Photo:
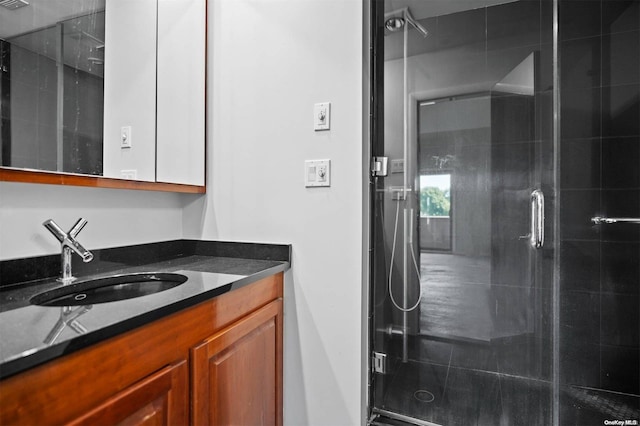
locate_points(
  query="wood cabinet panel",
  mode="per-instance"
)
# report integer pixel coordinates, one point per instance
(52, 178)
(159, 400)
(236, 374)
(69, 387)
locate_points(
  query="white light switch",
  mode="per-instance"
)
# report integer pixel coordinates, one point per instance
(317, 173)
(322, 116)
(125, 137)
(397, 166)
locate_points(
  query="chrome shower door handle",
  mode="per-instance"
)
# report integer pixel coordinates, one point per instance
(536, 237)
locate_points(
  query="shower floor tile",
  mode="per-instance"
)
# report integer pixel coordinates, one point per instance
(457, 396)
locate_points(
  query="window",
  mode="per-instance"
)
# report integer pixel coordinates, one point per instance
(435, 195)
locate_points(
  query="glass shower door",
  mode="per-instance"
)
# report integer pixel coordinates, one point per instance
(462, 259)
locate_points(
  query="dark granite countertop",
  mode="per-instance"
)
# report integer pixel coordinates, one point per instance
(27, 336)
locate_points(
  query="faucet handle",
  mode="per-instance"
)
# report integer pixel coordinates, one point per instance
(75, 230)
(53, 227)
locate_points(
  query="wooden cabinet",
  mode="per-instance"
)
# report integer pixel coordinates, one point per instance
(158, 400)
(236, 373)
(217, 363)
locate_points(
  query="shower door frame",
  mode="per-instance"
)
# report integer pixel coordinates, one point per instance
(373, 141)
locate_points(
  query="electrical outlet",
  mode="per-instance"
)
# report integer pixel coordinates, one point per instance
(129, 174)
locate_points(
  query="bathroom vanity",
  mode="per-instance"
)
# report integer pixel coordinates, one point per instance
(208, 351)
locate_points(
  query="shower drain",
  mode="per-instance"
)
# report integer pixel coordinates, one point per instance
(424, 396)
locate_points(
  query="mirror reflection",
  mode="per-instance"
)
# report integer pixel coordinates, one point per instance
(52, 85)
(104, 88)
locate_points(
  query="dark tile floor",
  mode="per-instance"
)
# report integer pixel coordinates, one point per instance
(470, 365)
(460, 301)
(448, 395)
(585, 407)
(456, 396)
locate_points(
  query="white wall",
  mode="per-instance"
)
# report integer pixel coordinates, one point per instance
(116, 217)
(271, 61)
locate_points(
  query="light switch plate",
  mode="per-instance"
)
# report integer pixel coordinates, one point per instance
(125, 137)
(322, 116)
(397, 166)
(317, 173)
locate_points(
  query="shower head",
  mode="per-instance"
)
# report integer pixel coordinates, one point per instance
(398, 19)
(394, 24)
(13, 4)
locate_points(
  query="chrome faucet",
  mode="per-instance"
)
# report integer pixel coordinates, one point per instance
(69, 244)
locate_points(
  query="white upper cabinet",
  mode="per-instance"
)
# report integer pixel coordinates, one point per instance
(180, 124)
(130, 89)
(118, 87)
(155, 90)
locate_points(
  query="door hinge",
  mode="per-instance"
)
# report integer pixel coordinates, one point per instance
(379, 166)
(379, 362)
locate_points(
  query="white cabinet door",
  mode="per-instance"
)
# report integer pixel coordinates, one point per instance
(180, 123)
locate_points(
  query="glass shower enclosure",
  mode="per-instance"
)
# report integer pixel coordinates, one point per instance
(486, 181)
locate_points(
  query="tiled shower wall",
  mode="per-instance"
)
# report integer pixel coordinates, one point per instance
(600, 175)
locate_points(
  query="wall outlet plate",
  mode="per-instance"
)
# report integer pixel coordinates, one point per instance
(317, 173)
(129, 174)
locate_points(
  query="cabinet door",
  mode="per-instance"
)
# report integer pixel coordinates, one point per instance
(181, 92)
(236, 377)
(160, 399)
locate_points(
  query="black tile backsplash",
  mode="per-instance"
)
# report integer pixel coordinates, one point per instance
(104, 260)
(280, 252)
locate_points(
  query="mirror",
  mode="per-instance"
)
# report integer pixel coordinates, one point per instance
(104, 88)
